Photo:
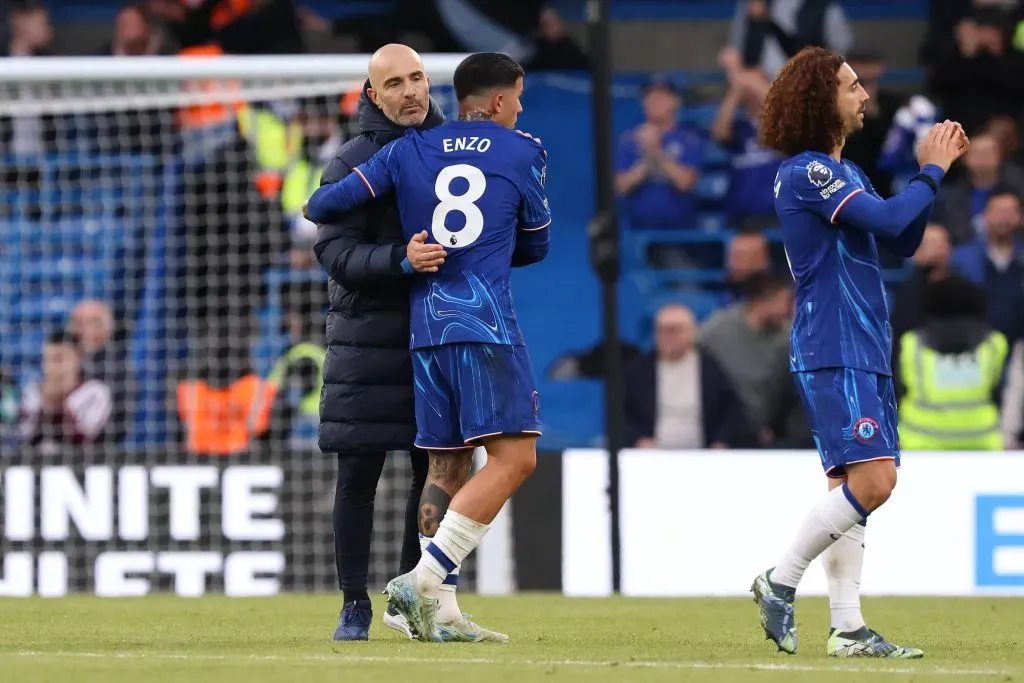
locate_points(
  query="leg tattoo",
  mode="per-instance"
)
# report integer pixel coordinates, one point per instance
(445, 476)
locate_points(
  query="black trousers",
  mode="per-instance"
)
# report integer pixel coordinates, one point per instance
(358, 474)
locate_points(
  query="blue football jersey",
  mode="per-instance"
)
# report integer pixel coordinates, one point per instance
(842, 320)
(471, 185)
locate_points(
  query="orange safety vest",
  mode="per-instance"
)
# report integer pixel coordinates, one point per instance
(227, 11)
(202, 115)
(349, 102)
(223, 421)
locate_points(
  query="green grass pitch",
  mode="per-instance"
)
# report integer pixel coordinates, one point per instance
(271, 640)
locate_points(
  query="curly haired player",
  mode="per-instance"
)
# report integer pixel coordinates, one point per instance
(833, 222)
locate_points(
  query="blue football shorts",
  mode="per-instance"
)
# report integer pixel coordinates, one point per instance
(852, 415)
(466, 391)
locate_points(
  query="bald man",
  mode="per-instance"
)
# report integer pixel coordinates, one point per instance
(367, 403)
(92, 326)
(678, 397)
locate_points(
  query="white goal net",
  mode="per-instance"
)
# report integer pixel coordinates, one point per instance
(160, 310)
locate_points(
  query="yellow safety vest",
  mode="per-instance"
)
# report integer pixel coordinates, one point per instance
(948, 404)
(299, 184)
(310, 403)
(276, 143)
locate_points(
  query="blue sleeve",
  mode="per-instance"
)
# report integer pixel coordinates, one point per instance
(626, 154)
(532, 238)
(819, 187)
(347, 248)
(910, 239)
(693, 151)
(534, 213)
(367, 181)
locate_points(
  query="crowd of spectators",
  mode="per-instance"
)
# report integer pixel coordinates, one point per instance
(973, 56)
(717, 381)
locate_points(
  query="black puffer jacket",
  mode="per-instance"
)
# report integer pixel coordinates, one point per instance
(367, 399)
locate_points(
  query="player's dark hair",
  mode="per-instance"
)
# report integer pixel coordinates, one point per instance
(483, 72)
(1002, 190)
(26, 7)
(799, 112)
(954, 296)
(748, 230)
(62, 338)
(761, 286)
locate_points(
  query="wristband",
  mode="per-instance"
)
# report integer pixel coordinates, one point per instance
(927, 180)
(407, 267)
(932, 175)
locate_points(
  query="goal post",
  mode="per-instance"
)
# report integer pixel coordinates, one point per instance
(151, 215)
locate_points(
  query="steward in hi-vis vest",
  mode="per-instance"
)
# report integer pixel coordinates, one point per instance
(951, 368)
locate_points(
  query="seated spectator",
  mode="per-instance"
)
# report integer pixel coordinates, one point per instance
(134, 33)
(30, 30)
(658, 163)
(950, 371)
(962, 205)
(995, 264)
(749, 201)
(64, 407)
(747, 336)
(1007, 132)
(103, 359)
(865, 148)
(678, 396)
(745, 257)
(931, 263)
(92, 325)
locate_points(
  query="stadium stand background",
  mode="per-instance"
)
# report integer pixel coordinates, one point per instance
(558, 300)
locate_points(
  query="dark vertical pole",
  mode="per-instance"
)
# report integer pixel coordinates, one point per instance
(604, 252)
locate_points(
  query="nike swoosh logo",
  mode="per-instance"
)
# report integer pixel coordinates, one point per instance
(835, 537)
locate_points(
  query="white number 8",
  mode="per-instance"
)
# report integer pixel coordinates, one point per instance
(463, 203)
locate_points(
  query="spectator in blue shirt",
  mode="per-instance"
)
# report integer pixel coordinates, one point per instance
(749, 201)
(996, 262)
(658, 163)
(961, 206)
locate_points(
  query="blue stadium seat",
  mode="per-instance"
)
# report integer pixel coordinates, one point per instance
(712, 186)
(572, 413)
(636, 245)
(711, 221)
(699, 116)
(715, 157)
(722, 10)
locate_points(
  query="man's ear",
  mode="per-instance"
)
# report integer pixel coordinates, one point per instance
(372, 94)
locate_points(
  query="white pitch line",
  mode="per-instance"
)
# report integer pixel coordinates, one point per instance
(577, 663)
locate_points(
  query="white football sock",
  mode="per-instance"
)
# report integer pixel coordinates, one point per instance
(448, 604)
(833, 516)
(843, 562)
(456, 538)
